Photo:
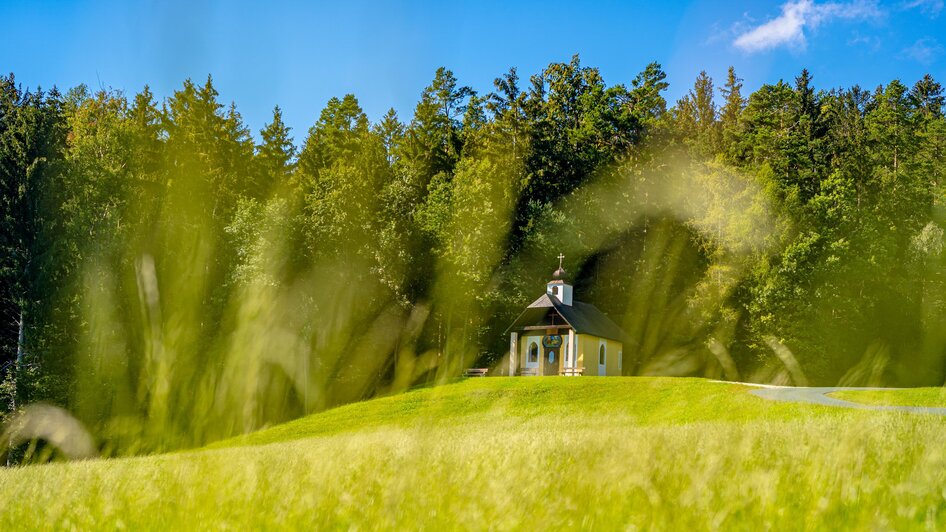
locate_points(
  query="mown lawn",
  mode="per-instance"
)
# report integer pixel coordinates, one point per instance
(522, 453)
(935, 397)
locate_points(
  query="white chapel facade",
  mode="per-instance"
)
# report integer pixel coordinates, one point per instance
(557, 335)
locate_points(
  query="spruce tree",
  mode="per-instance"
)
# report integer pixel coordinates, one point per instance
(732, 110)
(274, 156)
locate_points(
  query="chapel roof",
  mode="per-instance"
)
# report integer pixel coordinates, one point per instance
(584, 318)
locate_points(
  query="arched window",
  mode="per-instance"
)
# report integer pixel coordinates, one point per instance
(533, 353)
(601, 355)
(554, 290)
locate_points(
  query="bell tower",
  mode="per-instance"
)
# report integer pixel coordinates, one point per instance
(558, 287)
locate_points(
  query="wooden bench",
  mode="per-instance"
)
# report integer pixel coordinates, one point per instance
(573, 372)
(476, 372)
(527, 372)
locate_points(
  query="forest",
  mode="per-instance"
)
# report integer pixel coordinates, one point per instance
(171, 279)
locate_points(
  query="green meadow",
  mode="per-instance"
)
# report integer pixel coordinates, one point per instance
(502, 453)
(245, 300)
(933, 397)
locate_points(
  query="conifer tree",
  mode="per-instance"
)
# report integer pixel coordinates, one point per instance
(928, 98)
(731, 111)
(507, 106)
(32, 139)
(145, 128)
(646, 101)
(342, 168)
(433, 139)
(391, 131)
(805, 137)
(274, 156)
(696, 113)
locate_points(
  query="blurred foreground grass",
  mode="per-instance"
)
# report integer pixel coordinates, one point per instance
(522, 453)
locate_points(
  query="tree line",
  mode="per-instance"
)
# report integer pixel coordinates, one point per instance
(171, 280)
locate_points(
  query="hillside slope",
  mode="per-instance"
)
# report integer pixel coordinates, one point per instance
(521, 453)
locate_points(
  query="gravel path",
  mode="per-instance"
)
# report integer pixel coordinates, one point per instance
(818, 396)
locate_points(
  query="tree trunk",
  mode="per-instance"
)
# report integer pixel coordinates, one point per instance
(20, 354)
(20, 341)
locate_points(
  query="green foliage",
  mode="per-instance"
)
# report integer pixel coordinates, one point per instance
(695, 116)
(731, 113)
(646, 99)
(171, 280)
(275, 156)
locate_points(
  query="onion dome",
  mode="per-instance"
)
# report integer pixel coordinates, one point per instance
(559, 274)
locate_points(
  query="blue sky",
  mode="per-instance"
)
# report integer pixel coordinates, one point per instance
(299, 54)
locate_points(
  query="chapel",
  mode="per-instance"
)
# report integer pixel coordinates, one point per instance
(557, 335)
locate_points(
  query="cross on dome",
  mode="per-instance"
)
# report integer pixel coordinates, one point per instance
(559, 274)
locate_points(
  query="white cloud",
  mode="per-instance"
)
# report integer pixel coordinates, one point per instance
(788, 29)
(925, 50)
(930, 8)
(871, 42)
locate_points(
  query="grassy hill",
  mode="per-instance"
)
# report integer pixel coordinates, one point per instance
(522, 453)
(935, 397)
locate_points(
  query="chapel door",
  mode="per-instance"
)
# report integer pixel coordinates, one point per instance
(550, 360)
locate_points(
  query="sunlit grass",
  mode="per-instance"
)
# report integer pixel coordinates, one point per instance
(935, 397)
(530, 453)
(631, 401)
